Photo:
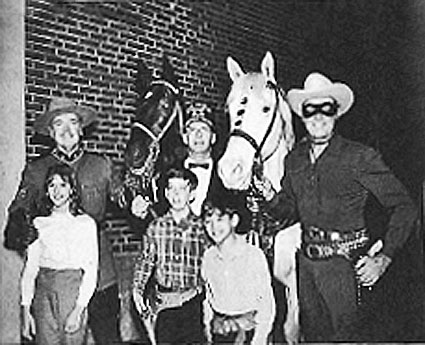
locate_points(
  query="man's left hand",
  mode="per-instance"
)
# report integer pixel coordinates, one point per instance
(370, 268)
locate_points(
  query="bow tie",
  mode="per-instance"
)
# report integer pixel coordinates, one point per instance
(198, 165)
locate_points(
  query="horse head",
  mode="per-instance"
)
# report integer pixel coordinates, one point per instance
(157, 123)
(260, 126)
(155, 141)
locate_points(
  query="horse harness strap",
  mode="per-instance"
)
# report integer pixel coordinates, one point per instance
(240, 133)
(176, 111)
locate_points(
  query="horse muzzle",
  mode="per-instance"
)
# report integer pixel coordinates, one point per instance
(235, 174)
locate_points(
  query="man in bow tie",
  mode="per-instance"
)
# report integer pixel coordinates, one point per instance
(199, 136)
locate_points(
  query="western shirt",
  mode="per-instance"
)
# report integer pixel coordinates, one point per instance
(331, 193)
(174, 250)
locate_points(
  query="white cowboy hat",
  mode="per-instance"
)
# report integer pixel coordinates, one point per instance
(62, 105)
(317, 85)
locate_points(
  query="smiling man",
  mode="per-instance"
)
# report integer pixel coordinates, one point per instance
(199, 136)
(328, 180)
(64, 121)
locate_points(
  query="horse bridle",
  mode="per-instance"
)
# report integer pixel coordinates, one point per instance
(146, 171)
(258, 159)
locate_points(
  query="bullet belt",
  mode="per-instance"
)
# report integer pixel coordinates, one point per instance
(319, 244)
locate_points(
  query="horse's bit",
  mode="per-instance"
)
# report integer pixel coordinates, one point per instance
(257, 222)
(146, 171)
(258, 159)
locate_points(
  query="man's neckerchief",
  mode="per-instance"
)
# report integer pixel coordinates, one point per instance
(68, 159)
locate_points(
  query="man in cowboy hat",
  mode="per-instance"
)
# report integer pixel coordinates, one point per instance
(328, 179)
(64, 121)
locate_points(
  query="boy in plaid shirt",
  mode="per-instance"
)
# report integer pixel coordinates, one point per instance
(173, 248)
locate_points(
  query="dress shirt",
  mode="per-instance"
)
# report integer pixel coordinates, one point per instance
(331, 193)
(237, 284)
(174, 250)
(204, 178)
(64, 242)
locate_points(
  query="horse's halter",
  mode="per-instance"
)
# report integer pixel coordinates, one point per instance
(146, 171)
(258, 159)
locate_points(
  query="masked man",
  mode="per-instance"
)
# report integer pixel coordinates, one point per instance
(328, 179)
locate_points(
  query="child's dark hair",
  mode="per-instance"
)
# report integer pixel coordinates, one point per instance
(67, 174)
(180, 172)
(209, 208)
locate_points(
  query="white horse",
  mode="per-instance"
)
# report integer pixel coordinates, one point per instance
(261, 128)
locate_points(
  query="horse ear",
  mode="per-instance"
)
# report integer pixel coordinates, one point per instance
(143, 78)
(267, 67)
(168, 72)
(235, 71)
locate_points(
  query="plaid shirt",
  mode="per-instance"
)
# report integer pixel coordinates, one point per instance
(174, 250)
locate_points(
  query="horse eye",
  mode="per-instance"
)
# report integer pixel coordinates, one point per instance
(266, 109)
(270, 84)
(238, 123)
(244, 100)
(148, 94)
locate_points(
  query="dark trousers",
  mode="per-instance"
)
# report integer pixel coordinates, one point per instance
(327, 294)
(104, 308)
(55, 296)
(181, 325)
(230, 338)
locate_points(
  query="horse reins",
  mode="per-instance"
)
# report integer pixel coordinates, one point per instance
(154, 146)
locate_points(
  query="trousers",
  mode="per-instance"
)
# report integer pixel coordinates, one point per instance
(104, 309)
(181, 325)
(56, 292)
(327, 295)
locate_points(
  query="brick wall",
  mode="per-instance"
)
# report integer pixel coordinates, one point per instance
(88, 51)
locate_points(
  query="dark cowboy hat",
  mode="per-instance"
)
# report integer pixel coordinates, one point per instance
(62, 105)
(317, 85)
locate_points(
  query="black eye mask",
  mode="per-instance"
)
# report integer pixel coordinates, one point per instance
(326, 108)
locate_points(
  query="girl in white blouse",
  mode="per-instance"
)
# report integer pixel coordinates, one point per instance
(60, 272)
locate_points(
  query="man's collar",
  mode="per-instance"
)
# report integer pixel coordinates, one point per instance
(68, 158)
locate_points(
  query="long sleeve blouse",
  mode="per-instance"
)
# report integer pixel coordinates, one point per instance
(64, 242)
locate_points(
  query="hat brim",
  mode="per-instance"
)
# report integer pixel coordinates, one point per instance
(204, 120)
(86, 115)
(340, 92)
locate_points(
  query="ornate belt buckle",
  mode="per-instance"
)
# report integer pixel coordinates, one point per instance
(313, 251)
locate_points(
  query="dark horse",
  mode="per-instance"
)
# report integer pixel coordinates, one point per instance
(155, 141)
(154, 145)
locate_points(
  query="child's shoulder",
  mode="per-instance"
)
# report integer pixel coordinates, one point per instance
(41, 222)
(85, 219)
(251, 251)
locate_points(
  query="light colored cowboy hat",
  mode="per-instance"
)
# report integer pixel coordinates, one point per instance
(317, 85)
(199, 112)
(62, 105)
